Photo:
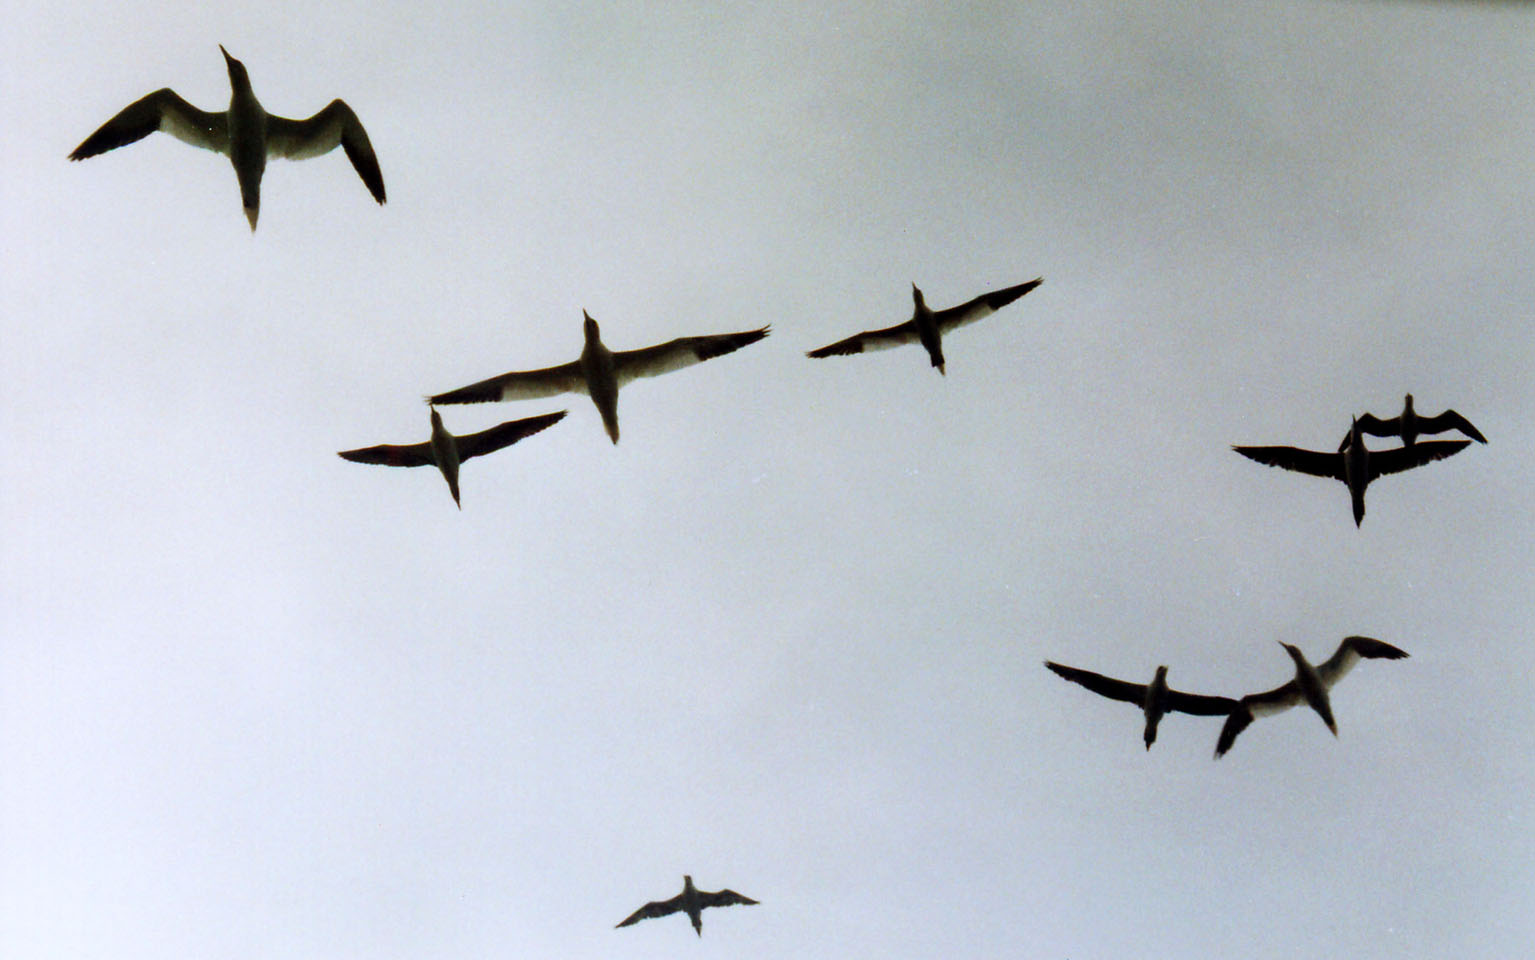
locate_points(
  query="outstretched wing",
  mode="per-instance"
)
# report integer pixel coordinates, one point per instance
(1103, 686)
(1199, 704)
(983, 306)
(1236, 722)
(682, 352)
(1450, 420)
(391, 455)
(519, 385)
(161, 110)
(321, 133)
(901, 333)
(504, 435)
(1257, 705)
(1314, 462)
(1405, 458)
(1350, 652)
(1375, 427)
(722, 898)
(655, 908)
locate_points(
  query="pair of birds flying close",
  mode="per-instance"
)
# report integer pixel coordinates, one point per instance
(600, 372)
(1311, 686)
(1356, 465)
(245, 133)
(691, 901)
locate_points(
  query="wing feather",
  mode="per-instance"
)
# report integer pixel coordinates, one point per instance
(983, 306)
(161, 110)
(392, 455)
(1103, 686)
(1350, 652)
(504, 435)
(898, 335)
(655, 908)
(1450, 420)
(1314, 462)
(723, 898)
(682, 352)
(336, 125)
(519, 385)
(1405, 458)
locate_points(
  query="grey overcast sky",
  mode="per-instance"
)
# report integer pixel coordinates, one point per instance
(258, 702)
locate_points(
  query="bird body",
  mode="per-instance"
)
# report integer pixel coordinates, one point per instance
(926, 326)
(600, 372)
(245, 133)
(691, 901)
(1311, 686)
(446, 451)
(1155, 699)
(1355, 465)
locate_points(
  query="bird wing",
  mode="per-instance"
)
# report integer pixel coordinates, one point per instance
(901, 333)
(1257, 705)
(722, 898)
(519, 385)
(161, 110)
(1375, 427)
(1103, 686)
(391, 455)
(504, 435)
(336, 124)
(1236, 722)
(1199, 704)
(1450, 420)
(1314, 462)
(675, 354)
(655, 908)
(983, 306)
(1350, 652)
(1405, 458)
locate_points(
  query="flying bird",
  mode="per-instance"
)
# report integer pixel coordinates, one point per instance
(446, 452)
(599, 372)
(245, 133)
(1310, 686)
(1154, 699)
(691, 901)
(926, 326)
(1355, 465)
(1409, 423)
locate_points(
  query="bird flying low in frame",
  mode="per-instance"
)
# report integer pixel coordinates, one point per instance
(446, 451)
(1355, 465)
(245, 133)
(927, 326)
(1155, 699)
(1310, 686)
(600, 372)
(691, 901)
(1409, 423)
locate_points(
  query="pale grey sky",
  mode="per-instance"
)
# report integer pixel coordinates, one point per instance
(256, 701)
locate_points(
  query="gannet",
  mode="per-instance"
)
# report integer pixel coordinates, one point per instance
(1310, 686)
(1154, 699)
(599, 372)
(1355, 465)
(245, 133)
(1408, 424)
(925, 326)
(691, 900)
(446, 452)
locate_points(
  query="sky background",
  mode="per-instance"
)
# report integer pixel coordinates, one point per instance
(257, 701)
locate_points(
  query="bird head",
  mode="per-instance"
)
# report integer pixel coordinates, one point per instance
(589, 326)
(916, 294)
(237, 74)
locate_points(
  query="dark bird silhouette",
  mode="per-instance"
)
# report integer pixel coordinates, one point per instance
(1409, 423)
(446, 451)
(691, 901)
(599, 372)
(1310, 686)
(1355, 466)
(245, 133)
(926, 326)
(1154, 699)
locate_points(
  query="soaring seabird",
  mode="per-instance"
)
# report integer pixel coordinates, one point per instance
(1354, 465)
(1310, 686)
(691, 900)
(245, 133)
(599, 372)
(1409, 423)
(925, 326)
(1154, 699)
(446, 452)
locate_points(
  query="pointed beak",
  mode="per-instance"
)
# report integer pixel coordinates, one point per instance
(227, 58)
